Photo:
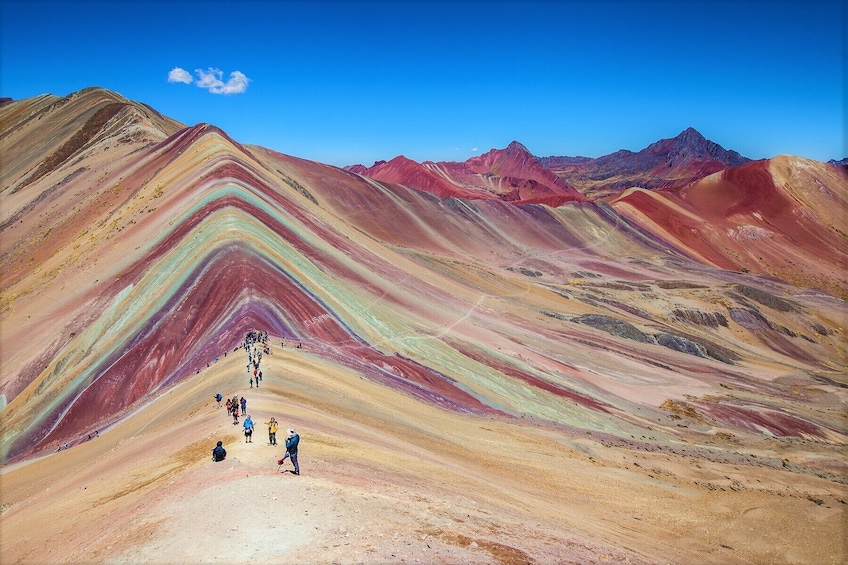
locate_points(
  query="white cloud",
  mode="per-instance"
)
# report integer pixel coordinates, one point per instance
(237, 83)
(179, 75)
(212, 80)
(474, 150)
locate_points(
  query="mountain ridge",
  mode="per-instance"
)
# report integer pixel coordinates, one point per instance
(667, 163)
(512, 174)
(643, 350)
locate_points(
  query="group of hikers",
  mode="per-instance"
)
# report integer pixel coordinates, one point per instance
(233, 405)
(68, 444)
(255, 344)
(252, 342)
(292, 441)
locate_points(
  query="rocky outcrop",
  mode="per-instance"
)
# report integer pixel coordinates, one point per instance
(613, 326)
(688, 344)
(709, 319)
(766, 298)
(680, 344)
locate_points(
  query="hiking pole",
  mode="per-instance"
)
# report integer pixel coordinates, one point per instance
(282, 461)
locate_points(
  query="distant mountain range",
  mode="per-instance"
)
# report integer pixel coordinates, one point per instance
(667, 163)
(515, 175)
(512, 174)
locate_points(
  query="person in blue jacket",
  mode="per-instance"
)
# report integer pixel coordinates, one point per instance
(218, 452)
(248, 430)
(291, 450)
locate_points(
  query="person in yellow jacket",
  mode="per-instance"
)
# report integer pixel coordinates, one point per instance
(272, 431)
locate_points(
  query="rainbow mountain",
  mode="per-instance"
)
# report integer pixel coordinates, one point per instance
(137, 251)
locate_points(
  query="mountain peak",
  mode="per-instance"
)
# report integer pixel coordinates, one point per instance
(516, 146)
(690, 146)
(667, 163)
(690, 134)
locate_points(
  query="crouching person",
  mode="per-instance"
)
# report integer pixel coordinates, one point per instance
(218, 452)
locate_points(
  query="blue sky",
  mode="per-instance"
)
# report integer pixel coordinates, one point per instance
(354, 82)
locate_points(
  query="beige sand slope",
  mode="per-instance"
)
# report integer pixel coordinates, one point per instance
(386, 479)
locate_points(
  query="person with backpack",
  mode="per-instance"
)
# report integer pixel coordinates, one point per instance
(218, 397)
(248, 429)
(291, 450)
(243, 405)
(218, 452)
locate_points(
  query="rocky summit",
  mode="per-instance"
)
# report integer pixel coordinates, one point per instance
(638, 358)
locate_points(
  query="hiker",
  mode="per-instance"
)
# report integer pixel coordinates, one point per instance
(272, 431)
(229, 406)
(235, 415)
(243, 405)
(218, 397)
(218, 452)
(291, 450)
(251, 382)
(248, 430)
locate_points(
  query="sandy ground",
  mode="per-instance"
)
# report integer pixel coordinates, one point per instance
(386, 479)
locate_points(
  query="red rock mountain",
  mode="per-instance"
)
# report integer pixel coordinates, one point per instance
(776, 217)
(512, 175)
(667, 163)
(515, 175)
